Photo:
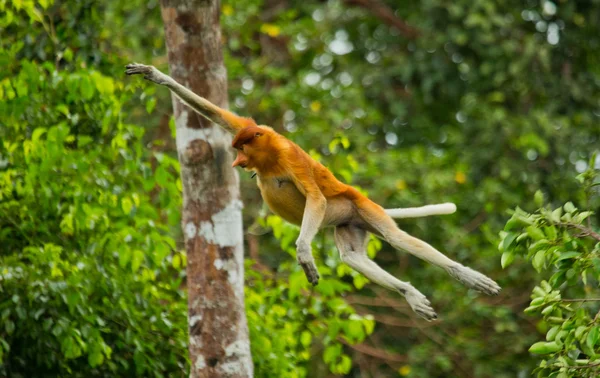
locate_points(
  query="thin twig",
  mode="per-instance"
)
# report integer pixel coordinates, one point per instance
(580, 300)
(374, 302)
(475, 222)
(585, 231)
(585, 366)
(398, 322)
(374, 352)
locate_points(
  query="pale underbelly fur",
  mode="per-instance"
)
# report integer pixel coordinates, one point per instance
(285, 200)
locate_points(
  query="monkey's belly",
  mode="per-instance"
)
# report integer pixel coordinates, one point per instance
(283, 198)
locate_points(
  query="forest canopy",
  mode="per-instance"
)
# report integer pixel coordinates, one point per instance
(491, 105)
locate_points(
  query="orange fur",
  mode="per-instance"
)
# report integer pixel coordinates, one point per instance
(272, 155)
(237, 122)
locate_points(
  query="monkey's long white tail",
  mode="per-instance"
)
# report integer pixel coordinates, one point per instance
(423, 211)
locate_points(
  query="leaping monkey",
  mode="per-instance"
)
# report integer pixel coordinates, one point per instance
(304, 192)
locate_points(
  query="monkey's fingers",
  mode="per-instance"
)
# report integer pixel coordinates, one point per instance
(311, 272)
(150, 73)
(136, 69)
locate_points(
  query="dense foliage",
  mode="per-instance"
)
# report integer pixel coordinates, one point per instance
(487, 103)
(563, 242)
(88, 221)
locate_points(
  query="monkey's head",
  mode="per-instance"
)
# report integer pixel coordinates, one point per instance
(253, 147)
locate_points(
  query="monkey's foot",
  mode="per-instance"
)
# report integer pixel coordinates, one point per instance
(150, 72)
(420, 304)
(474, 279)
(311, 272)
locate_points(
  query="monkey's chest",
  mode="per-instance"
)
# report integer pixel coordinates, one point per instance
(283, 198)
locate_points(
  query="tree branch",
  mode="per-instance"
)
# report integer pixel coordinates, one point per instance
(385, 14)
(584, 230)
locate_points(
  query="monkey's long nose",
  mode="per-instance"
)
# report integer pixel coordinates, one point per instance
(239, 160)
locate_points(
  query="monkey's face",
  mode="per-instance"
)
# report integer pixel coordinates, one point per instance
(242, 159)
(249, 144)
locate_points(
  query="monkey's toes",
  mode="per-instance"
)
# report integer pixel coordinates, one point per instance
(311, 272)
(420, 305)
(474, 280)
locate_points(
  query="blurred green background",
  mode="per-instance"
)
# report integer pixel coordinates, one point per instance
(478, 102)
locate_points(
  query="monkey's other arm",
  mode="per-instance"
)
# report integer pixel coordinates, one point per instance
(229, 121)
(314, 213)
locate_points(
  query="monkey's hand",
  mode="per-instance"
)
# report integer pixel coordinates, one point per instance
(420, 304)
(307, 262)
(150, 73)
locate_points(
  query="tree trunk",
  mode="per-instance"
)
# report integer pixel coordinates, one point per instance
(211, 217)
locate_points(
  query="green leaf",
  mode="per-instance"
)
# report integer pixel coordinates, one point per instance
(9, 326)
(538, 198)
(126, 205)
(305, 338)
(95, 358)
(124, 257)
(582, 216)
(568, 255)
(83, 140)
(538, 260)
(592, 337)
(579, 332)
(176, 261)
(87, 89)
(517, 221)
(161, 176)
(150, 104)
(369, 324)
(136, 260)
(552, 333)
(535, 233)
(543, 347)
(37, 134)
(550, 232)
(508, 240)
(556, 214)
(343, 367)
(507, 258)
(332, 352)
(538, 301)
(569, 207)
(354, 330)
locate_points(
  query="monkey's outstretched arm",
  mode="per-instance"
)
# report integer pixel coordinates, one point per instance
(224, 118)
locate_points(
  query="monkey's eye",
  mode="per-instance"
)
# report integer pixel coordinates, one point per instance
(257, 135)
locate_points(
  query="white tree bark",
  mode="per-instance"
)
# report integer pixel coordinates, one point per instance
(211, 216)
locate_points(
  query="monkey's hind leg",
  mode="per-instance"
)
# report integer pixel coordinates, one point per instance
(351, 242)
(385, 226)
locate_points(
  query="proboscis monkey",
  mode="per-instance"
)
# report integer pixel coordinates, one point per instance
(303, 192)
